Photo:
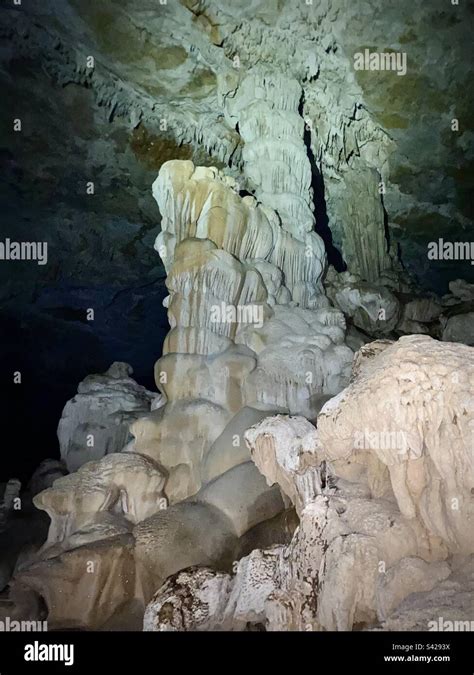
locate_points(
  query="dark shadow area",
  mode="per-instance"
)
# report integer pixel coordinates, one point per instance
(319, 203)
(100, 254)
(52, 356)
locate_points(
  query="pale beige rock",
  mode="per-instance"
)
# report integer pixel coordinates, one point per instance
(202, 599)
(96, 421)
(361, 546)
(219, 378)
(108, 574)
(125, 484)
(367, 352)
(371, 538)
(413, 406)
(301, 358)
(201, 204)
(191, 600)
(178, 437)
(230, 449)
(346, 536)
(447, 607)
(277, 587)
(373, 309)
(242, 495)
(338, 549)
(410, 575)
(285, 450)
(211, 290)
(216, 363)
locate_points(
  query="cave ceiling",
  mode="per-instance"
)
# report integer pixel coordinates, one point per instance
(160, 77)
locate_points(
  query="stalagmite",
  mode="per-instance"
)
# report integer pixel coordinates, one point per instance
(306, 463)
(95, 422)
(198, 202)
(238, 285)
(384, 527)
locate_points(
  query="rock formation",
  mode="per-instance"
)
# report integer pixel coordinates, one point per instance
(187, 478)
(372, 306)
(307, 463)
(177, 483)
(232, 323)
(384, 500)
(95, 422)
(265, 106)
(239, 285)
(123, 485)
(196, 202)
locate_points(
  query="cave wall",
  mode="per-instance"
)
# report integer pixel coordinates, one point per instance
(162, 84)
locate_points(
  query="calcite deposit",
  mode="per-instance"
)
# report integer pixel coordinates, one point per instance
(232, 326)
(95, 422)
(195, 203)
(384, 501)
(179, 470)
(306, 461)
(373, 449)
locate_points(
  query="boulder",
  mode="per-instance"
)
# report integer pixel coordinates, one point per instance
(96, 421)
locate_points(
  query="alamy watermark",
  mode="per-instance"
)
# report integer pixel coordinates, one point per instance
(449, 626)
(226, 313)
(381, 440)
(367, 60)
(9, 625)
(24, 250)
(451, 250)
(38, 651)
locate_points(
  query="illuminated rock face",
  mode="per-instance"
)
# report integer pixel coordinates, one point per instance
(384, 499)
(95, 422)
(251, 333)
(201, 202)
(126, 485)
(240, 337)
(241, 80)
(269, 91)
(265, 106)
(426, 438)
